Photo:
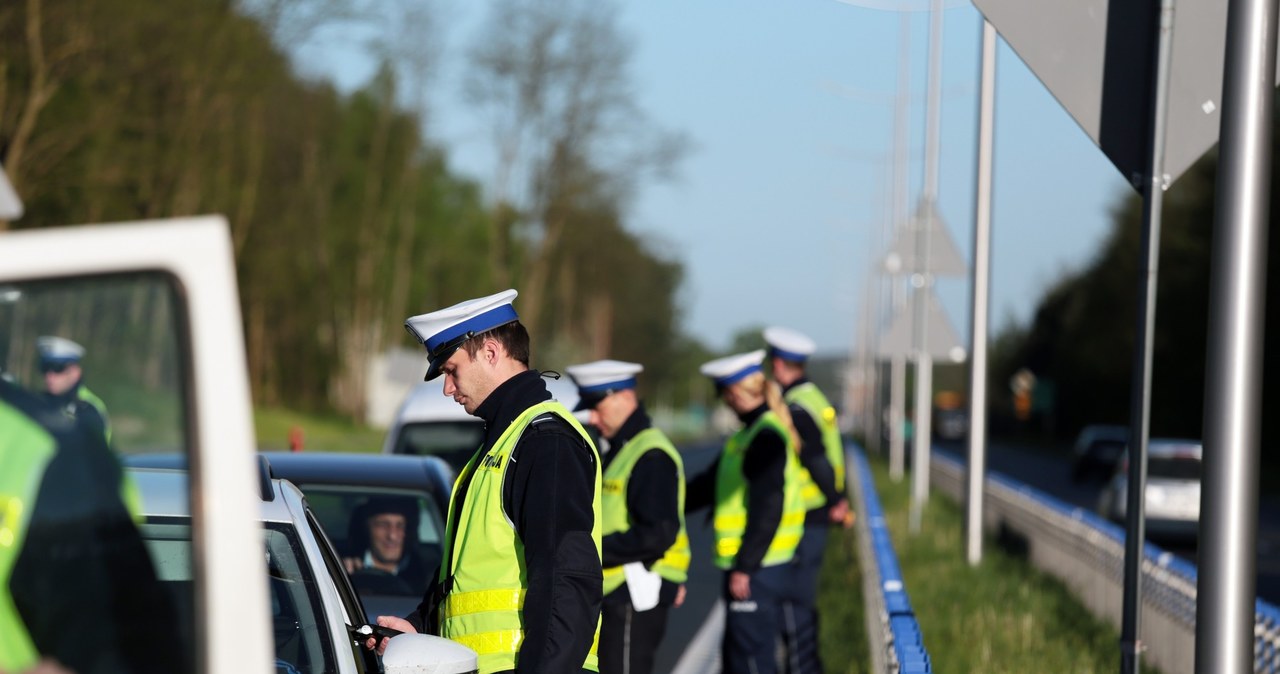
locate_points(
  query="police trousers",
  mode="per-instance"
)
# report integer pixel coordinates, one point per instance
(629, 639)
(753, 626)
(800, 608)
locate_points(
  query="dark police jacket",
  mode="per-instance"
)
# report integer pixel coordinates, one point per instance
(547, 493)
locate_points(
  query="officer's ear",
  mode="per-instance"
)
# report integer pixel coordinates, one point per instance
(491, 350)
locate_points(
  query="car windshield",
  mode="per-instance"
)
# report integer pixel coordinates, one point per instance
(300, 633)
(453, 441)
(389, 539)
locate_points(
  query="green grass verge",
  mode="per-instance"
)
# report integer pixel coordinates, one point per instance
(1001, 616)
(842, 637)
(319, 433)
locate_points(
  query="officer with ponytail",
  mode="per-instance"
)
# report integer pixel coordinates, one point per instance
(754, 487)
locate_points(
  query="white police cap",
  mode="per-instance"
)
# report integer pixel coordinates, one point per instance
(597, 379)
(732, 369)
(443, 331)
(789, 344)
(59, 350)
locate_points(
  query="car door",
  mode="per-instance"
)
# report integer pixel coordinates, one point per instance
(155, 307)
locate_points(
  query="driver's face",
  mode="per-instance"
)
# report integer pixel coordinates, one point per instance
(386, 537)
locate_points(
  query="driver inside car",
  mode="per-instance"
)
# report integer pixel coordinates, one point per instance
(383, 536)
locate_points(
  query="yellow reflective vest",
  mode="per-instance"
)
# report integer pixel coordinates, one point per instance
(809, 397)
(25, 451)
(674, 565)
(731, 498)
(484, 608)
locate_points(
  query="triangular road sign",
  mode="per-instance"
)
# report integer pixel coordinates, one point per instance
(944, 257)
(944, 344)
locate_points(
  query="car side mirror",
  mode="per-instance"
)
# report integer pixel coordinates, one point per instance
(416, 653)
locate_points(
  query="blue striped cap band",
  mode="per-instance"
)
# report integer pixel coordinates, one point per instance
(609, 386)
(788, 355)
(475, 325)
(737, 376)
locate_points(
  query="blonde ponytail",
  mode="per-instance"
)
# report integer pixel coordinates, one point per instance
(756, 385)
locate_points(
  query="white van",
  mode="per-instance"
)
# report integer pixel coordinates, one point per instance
(429, 422)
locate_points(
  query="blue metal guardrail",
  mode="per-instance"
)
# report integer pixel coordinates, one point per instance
(1170, 596)
(907, 642)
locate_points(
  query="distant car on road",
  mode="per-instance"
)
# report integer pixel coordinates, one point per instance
(429, 423)
(1172, 504)
(1097, 450)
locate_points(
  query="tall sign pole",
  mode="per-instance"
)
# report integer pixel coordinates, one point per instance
(1229, 503)
(1154, 182)
(976, 466)
(922, 279)
(898, 361)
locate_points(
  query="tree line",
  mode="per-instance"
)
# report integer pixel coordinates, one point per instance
(346, 217)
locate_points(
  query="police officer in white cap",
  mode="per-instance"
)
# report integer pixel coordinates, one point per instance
(822, 489)
(519, 580)
(64, 383)
(759, 516)
(645, 548)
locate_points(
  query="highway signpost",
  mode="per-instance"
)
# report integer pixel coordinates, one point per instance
(1153, 99)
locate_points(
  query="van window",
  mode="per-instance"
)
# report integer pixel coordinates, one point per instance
(453, 441)
(91, 369)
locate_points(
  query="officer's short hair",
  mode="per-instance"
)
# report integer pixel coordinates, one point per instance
(513, 337)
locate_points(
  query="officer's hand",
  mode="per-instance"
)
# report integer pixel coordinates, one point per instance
(394, 623)
(840, 513)
(680, 593)
(353, 564)
(49, 666)
(739, 585)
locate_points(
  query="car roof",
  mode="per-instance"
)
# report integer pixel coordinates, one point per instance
(379, 470)
(165, 493)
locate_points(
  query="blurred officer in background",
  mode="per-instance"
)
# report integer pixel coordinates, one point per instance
(64, 383)
(822, 489)
(759, 516)
(77, 586)
(520, 579)
(645, 548)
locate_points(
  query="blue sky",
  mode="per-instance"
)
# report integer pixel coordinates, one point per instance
(778, 205)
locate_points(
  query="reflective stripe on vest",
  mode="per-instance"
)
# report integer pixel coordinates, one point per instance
(809, 397)
(484, 607)
(731, 498)
(674, 564)
(25, 451)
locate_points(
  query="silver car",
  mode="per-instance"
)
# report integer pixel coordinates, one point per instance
(1172, 504)
(318, 623)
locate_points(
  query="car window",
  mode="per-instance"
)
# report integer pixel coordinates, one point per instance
(453, 441)
(299, 631)
(354, 614)
(92, 369)
(302, 639)
(350, 515)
